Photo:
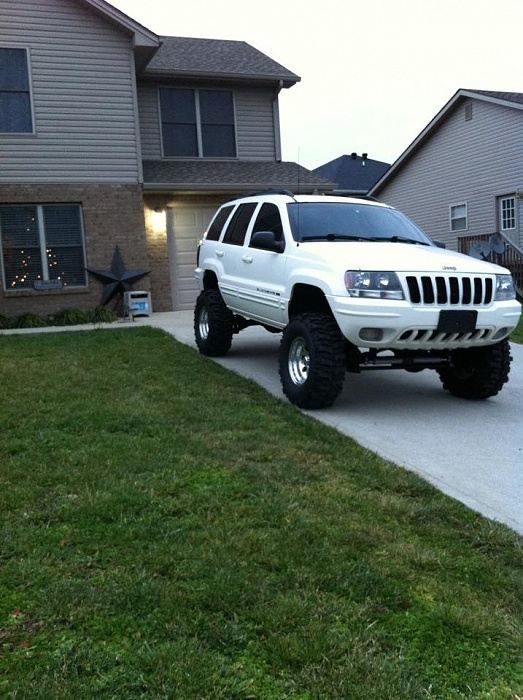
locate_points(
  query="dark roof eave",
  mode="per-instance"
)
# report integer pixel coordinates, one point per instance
(142, 36)
(285, 80)
(203, 187)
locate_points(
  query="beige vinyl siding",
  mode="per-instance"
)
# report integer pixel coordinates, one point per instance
(255, 132)
(469, 162)
(82, 74)
(149, 121)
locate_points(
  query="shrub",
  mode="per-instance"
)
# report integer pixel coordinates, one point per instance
(29, 321)
(69, 317)
(103, 315)
(4, 322)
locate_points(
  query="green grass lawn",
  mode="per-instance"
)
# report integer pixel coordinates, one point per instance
(517, 335)
(170, 530)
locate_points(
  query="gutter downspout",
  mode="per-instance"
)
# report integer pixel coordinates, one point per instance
(276, 120)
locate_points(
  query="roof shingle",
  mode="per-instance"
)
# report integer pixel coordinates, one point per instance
(507, 96)
(216, 57)
(240, 176)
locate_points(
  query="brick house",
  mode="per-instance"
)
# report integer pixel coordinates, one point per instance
(113, 136)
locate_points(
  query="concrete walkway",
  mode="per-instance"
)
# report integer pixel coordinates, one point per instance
(472, 451)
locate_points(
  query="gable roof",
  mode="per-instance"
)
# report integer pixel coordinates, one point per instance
(506, 99)
(353, 174)
(215, 58)
(145, 42)
(227, 176)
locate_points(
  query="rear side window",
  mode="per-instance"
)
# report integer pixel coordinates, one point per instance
(217, 224)
(237, 228)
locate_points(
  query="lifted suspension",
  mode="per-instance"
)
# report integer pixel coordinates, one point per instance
(358, 361)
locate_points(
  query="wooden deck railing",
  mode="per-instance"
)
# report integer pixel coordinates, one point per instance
(510, 255)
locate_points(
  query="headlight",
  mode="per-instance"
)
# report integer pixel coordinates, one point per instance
(373, 285)
(505, 289)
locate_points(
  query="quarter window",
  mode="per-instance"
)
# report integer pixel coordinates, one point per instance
(15, 95)
(42, 244)
(217, 224)
(458, 217)
(507, 213)
(197, 123)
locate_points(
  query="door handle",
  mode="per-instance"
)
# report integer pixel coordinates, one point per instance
(247, 258)
(219, 253)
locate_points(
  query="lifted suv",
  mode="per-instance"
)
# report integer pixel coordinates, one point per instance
(353, 285)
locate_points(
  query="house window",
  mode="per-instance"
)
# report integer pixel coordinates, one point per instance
(458, 217)
(42, 245)
(197, 123)
(507, 213)
(15, 95)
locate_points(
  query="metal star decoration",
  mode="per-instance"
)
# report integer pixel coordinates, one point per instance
(117, 280)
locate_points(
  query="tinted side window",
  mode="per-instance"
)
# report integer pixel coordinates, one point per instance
(237, 228)
(269, 219)
(215, 229)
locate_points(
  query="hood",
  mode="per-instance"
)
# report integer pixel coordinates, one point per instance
(403, 257)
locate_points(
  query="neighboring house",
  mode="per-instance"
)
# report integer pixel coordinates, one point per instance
(113, 136)
(461, 179)
(354, 175)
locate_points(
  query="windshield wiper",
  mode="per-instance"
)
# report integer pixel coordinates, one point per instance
(403, 239)
(333, 237)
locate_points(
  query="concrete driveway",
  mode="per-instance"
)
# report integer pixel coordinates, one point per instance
(472, 451)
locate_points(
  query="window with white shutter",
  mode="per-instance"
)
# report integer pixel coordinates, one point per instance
(507, 213)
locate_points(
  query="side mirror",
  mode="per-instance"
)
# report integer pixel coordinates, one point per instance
(266, 240)
(439, 244)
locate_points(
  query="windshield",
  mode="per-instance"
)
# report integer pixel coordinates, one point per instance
(324, 221)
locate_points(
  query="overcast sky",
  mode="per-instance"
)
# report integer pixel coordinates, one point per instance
(373, 72)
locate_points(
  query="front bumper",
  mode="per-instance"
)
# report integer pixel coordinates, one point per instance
(392, 324)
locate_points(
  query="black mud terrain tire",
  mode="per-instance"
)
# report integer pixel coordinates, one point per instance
(213, 324)
(477, 373)
(312, 361)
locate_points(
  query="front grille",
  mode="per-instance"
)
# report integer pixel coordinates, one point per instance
(446, 290)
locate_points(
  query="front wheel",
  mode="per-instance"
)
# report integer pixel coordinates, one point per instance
(213, 324)
(477, 373)
(312, 361)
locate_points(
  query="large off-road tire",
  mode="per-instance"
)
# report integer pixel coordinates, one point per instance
(213, 324)
(477, 373)
(312, 361)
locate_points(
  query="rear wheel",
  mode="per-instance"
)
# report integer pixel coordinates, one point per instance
(312, 361)
(477, 373)
(213, 324)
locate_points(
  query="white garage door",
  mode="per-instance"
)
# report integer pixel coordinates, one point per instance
(185, 228)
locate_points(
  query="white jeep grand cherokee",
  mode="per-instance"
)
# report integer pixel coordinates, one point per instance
(354, 285)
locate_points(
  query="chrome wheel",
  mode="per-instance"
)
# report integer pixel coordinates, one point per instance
(312, 360)
(213, 324)
(299, 361)
(203, 323)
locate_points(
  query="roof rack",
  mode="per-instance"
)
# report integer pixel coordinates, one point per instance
(368, 197)
(268, 191)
